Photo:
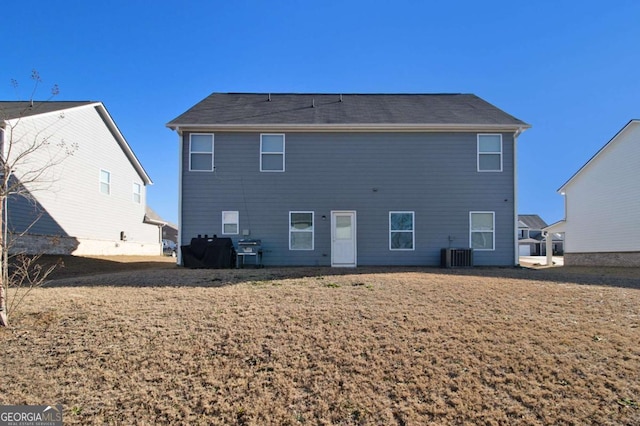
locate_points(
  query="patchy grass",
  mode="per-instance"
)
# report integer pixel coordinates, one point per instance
(293, 346)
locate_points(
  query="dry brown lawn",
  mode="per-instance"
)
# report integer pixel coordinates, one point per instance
(316, 346)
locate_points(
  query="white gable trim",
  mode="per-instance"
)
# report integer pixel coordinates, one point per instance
(597, 155)
(556, 228)
(102, 110)
(111, 125)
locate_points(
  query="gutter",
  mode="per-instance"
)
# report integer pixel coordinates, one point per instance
(355, 127)
(153, 221)
(556, 227)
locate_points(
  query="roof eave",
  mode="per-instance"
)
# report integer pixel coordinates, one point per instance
(556, 227)
(151, 221)
(137, 165)
(355, 127)
(14, 120)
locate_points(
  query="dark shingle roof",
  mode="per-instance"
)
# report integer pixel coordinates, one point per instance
(150, 216)
(16, 109)
(532, 221)
(347, 109)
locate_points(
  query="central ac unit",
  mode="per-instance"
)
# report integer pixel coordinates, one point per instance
(456, 258)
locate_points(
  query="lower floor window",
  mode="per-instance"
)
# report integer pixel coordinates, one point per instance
(300, 230)
(482, 230)
(401, 230)
(230, 222)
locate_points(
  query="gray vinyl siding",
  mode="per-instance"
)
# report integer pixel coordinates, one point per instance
(432, 174)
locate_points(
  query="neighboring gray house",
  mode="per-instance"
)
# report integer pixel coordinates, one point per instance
(170, 232)
(89, 192)
(353, 179)
(532, 239)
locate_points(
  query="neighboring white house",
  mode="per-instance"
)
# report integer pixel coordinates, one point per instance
(92, 198)
(602, 205)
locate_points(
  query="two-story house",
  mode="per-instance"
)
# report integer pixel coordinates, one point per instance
(602, 205)
(83, 190)
(351, 179)
(532, 238)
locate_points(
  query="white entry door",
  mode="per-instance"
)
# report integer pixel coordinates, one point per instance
(343, 238)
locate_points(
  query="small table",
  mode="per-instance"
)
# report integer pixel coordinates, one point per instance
(256, 254)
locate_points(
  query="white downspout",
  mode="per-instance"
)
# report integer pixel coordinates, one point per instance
(180, 159)
(516, 249)
(160, 239)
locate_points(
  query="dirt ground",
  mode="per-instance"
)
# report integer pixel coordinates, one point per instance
(74, 266)
(159, 344)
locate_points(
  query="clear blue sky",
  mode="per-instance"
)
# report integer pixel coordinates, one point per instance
(569, 68)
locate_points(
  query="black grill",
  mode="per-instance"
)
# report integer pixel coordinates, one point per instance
(206, 252)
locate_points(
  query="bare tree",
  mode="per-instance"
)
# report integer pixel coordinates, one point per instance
(27, 162)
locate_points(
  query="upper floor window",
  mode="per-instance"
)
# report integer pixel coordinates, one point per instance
(105, 182)
(137, 193)
(490, 153)
(482, 230)
(300, 230)
(230, 222)
(401, 230)
(201, 152)
(271, 153)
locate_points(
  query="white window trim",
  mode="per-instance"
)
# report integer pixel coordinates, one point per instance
(237, 223)
(478, 153)
(493, 231)
(273, 152)
(100, 182)
(138, 186)
(413, 230)
(213, 144)
(312, 231)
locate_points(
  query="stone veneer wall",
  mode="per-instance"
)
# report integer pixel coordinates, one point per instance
(627, 259)
(46, 244)
(42, 244)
